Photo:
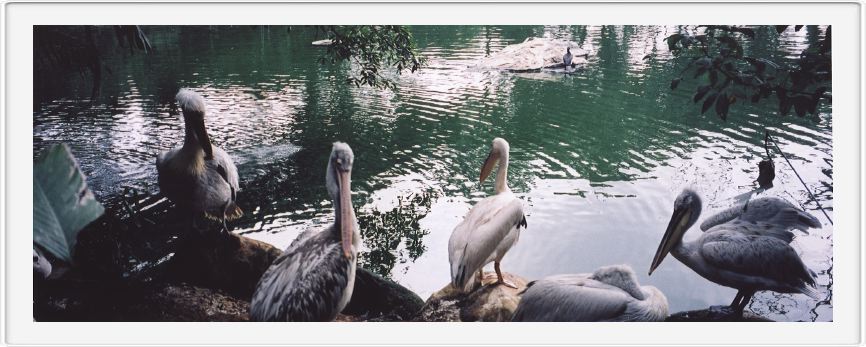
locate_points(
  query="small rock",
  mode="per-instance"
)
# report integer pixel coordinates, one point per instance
(489, 303)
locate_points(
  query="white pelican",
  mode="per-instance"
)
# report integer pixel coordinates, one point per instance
(491, 227)
(199, 177)
(747, 249)
(567, 58)
(611, 293)
(313, 279)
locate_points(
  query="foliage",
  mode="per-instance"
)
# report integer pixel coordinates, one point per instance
(62, 203)
(729, 75)
(76, 49)
(373, 48)
(383, 232)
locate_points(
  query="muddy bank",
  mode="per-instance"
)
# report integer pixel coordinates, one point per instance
(211, 278)
(206, 279)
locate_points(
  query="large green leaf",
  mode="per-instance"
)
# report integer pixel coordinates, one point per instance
(62, 203)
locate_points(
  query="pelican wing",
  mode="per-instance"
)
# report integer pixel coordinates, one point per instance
(768, 261)
(224, 164)
(218, 187)
(571, 298)
(768, 216)
(476, 238)
(305, 283)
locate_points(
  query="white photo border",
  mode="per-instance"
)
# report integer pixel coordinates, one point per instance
(16, 173)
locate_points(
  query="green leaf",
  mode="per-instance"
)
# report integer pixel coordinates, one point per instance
(702, 90)
(748, 32)
(709, 101)
(672, 41)
(732, 44)
(722, 103)
(62, 203)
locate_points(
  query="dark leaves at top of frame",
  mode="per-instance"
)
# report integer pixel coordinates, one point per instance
(673, 40)
(732, 45)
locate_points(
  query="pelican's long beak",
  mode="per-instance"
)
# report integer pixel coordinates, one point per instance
(203, 139)
(347, 223)
(489, 163)
(673, 235)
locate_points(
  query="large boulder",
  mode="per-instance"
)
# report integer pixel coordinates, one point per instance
(491, 302)
(229, 262)
(209, 278)
(378, 299)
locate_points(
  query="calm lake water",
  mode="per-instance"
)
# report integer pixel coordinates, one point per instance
(597, 157)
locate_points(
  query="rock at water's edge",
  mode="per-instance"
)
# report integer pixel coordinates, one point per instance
(715, 314)
(232, 263)
(533, 54)
(377, 298)
(489, 303)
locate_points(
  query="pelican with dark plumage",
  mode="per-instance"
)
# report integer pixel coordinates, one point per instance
(567, 58)
(744, 247)
(490, 229)
(610, 294)
(199, 177)
(314, 278)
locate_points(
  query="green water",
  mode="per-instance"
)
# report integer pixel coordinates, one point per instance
(597, 157)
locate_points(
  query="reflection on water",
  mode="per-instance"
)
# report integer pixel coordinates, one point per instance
(597, 157)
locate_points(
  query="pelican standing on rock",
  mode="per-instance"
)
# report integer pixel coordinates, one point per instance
(745, 247)
(314, 278)
(199, 177)
(490, 229)
(566, 59)
(611, 293)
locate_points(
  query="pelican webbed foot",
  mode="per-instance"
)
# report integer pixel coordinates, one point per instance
(500, 279)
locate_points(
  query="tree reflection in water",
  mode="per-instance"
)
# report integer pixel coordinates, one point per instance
(396, 234)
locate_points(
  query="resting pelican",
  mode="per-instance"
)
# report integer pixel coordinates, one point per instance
(747, 249)
(313, 279)
(490, 229)
(566, 59)
(611, 293)
(198, 176)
